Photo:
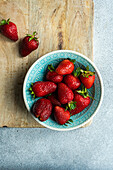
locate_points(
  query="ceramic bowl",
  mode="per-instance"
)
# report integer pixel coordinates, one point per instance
(38, 71)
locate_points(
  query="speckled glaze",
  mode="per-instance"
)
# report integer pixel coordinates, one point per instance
(38, 71)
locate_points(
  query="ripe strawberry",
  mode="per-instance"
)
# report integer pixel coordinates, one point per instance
(54, 100)
(42, 109)
(87, 78)
(29, 44)
(9, 29)
(41, 88)
(65, 67)
(65, 94)
(82, 101)
(53, 76)
(61, 116)
(72, 81)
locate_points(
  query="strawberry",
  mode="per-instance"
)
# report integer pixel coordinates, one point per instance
(65, 94)
(42, 88)
(61, 116)
(72, 81)
(42, 109)
(54, 100)
(53, 76)
(82, 100)
(29, 44)
(87, 78)
(65, 67)
(9, 29)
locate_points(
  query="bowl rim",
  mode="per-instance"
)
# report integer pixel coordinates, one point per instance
(101, 84)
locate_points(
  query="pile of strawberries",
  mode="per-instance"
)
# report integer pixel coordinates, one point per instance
(28, 44)
(60, 93)
(61, 96)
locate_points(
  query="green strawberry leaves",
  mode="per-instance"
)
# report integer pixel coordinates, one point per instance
(72, 60)
(71, 106)
(84, 92)
(86, 73)
(3, 22)
(31, 91)
(68, 122)
(51, 68)
(33, 36)
(77, 72)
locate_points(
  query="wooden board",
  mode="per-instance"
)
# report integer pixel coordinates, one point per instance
(61, 24)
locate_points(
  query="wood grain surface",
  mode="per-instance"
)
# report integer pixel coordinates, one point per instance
(61, 24)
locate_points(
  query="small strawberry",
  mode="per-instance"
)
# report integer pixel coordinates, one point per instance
(54, 100)
(42, 88)
(82, 100)
(61, 116)
(53, 76)
(87, 78)
(29, 44)
(65, 94)
(42, 109)
(65, 67)
(9, 29)
(72, 81)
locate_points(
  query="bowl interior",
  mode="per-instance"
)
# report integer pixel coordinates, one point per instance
(38, 71)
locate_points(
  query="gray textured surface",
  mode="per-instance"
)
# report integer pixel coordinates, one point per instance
(88, 148)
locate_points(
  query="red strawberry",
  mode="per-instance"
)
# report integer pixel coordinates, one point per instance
(9, 29)
(82, 101)
(42, 108)
(87, 78)
(29, 44)
(65, 67)
(54, 100)
(41, 88)
(65, 94)
(72, 82)
(53, 76)
(61, 116)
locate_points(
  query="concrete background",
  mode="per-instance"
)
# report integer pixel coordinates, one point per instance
(90, 148)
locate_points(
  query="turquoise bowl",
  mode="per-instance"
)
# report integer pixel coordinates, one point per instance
(38, 71)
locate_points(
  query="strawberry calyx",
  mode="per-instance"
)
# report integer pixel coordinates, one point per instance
(71, 106)
(72, 60)
(31, 91)
(84, 93)
(51, 68)
(77, 72)
(3, 22)
(68, 122)
(86, 73)
(31, 37)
